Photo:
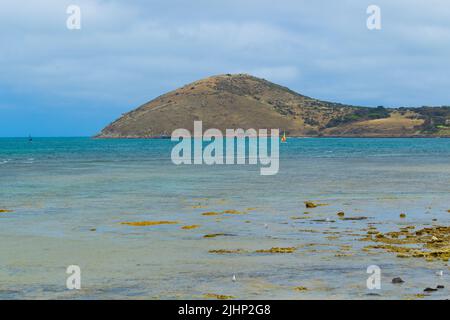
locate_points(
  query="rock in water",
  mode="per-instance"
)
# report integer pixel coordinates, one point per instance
(397, 280)
(243, 101)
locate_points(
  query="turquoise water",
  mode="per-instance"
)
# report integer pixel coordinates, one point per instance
(70, 195)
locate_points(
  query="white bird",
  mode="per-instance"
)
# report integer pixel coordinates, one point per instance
(266, 225)
(234, 278)
(440, 273)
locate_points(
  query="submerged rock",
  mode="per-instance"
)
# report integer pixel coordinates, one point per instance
(148, 223)
(277, 250)
(343, 254)
(354, 218)
(233, 212)
(323, 220)
(213, 235)
(397, 280)
(199, 206)
(299, 218)
(194, 226)
(217, 296)
(300, 288)
(310, 204)
(430, 243)
(211, 213)
(227, 251)
(214, 213)
(430, 290)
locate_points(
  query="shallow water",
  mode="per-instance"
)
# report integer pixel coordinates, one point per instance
(61, 189)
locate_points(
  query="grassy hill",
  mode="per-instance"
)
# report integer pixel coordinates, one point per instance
(243, 101)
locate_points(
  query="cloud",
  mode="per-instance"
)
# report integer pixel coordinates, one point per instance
(129, 52)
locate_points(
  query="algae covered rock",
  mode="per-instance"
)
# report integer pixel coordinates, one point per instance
(353, 218)
(311, 205)
(300, 288)
(217, 296)
(211, 213)
(432, 243)
(277, 250)
(214, 235)
(232, 211)
(227, 251)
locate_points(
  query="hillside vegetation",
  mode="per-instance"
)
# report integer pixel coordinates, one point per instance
(244, 101)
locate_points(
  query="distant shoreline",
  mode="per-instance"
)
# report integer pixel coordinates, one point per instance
(296, 137)
(289, 137)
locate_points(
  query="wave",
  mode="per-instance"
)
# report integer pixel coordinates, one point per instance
(17, 161)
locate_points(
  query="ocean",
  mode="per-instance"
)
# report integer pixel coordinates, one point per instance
(69, 198)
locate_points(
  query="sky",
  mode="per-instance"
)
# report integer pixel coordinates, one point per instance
(55, 81)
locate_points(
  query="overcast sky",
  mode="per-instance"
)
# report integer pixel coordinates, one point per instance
(60, 82)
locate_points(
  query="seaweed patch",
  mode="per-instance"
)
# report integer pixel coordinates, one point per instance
(194, 226)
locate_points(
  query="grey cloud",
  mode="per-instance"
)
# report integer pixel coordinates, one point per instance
(129, 52)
